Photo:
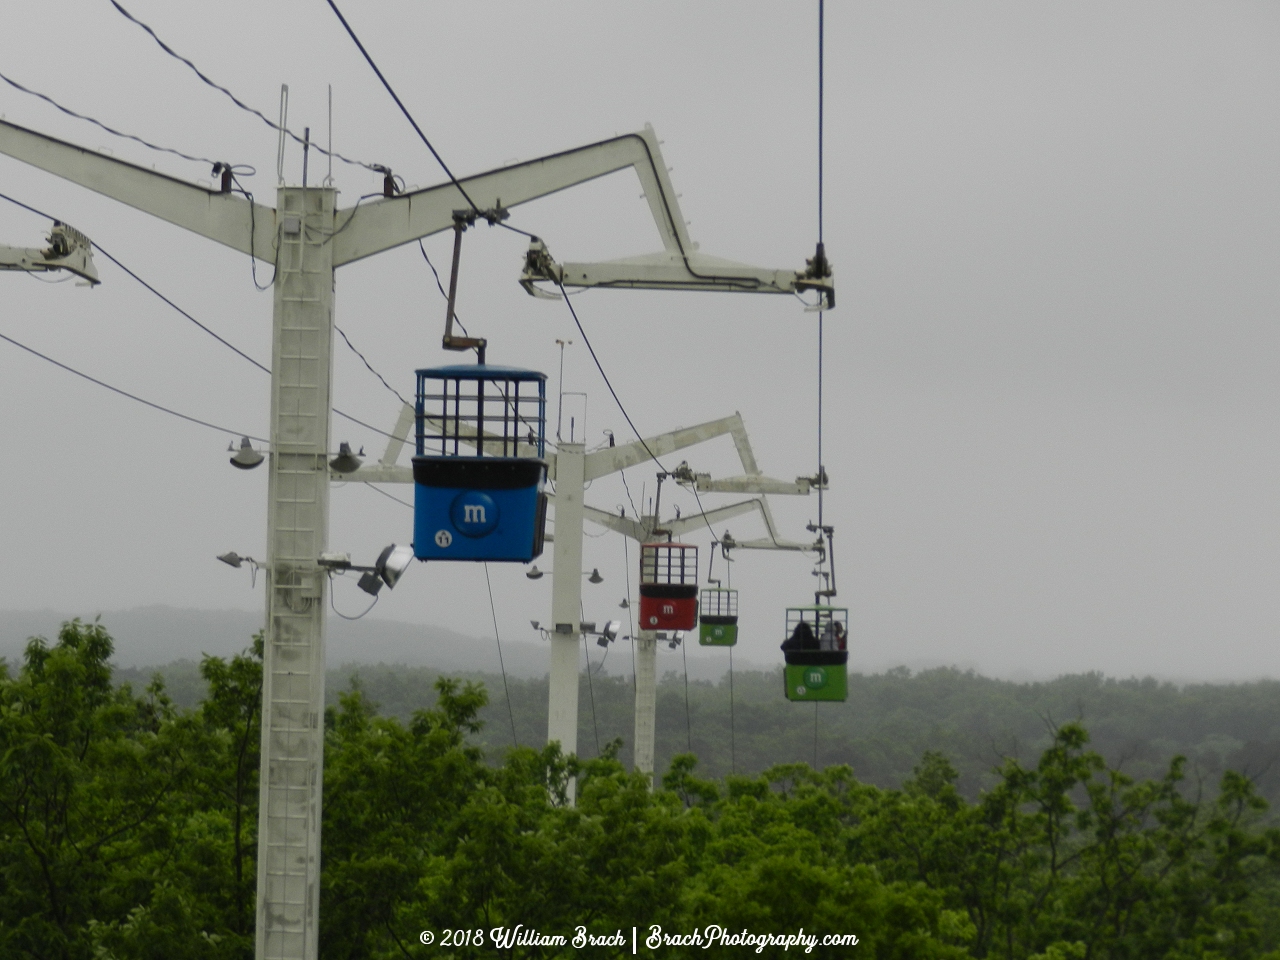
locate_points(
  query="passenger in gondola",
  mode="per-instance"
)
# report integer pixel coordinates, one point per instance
(801, 638)
(833, 636)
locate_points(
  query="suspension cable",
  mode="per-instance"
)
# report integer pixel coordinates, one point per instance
(501, 665)
(688, 723)
(403, 109)
(591, 690)
(821, 109)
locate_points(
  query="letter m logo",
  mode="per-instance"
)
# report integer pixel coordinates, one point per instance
(473, 513)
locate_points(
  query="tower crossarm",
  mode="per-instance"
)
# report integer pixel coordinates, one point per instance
(372, 227)
(753, 483)
(697, 521)
(612, 459)
(225, 217)
(623, 525)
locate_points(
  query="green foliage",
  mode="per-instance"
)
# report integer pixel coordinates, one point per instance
(127, 830)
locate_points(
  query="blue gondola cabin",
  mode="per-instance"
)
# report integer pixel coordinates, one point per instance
(668, 586)
(817, 653)
(479, 473)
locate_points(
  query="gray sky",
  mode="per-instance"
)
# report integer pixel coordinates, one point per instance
(1051, 413)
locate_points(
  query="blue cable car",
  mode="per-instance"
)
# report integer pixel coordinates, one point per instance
(479, 472)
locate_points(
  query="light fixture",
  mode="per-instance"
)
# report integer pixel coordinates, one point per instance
(612, 629)
(535, 624)
(625, 604)
(246, 458)
(533, 573)
(595, 576)
(233, 559)
(389, 568)
(392, 563)
(346, 461)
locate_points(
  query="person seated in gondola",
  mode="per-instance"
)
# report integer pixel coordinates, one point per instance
(801, 638)
(833, 636)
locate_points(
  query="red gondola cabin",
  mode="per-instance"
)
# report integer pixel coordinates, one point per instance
(668, 586)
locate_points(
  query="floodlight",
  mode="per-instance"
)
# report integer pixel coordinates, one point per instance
(595, 576)
(346, 461)
(233, 559)
(246, 458)
(612, 629)
(533, 573)
(392, 563)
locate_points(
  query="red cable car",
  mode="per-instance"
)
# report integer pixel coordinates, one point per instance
(668, 586)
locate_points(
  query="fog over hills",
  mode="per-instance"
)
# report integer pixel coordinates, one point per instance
(153, 636)
(157, 635)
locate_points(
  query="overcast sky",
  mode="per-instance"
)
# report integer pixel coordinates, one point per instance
(1051, 407)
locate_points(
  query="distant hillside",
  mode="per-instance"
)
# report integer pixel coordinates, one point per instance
(150, 636)
(889, 721)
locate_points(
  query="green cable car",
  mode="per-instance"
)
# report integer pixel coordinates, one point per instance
(817, 654)
(718, 617)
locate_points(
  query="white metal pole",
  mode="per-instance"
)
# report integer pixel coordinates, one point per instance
(646, 700)
(566, 601)
(288, 903)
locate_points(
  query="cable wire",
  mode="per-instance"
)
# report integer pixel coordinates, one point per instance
(493, 610)
(390, 496)
(370, 367)
(733, 752)
(188, 316)
(440, 286)
(399, 103)
(376, 168)
(131, 396)
(626, 416)
(688, 723)
(631, 619)
(333, 606)
(230, 346)
(821, 112)
(591, 691)
(98, 123)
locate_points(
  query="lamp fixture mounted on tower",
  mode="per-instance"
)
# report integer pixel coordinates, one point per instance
(346, 461)
(246, 458)
(233, 559)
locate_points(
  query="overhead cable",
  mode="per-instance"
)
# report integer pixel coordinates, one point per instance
(98, 123)
(399, 103)
(184, 313)
(389, 496)
(592, 350)
(226, 343)
(370, 367)
(821, 110)
(125, 393)
(493, 611)
(376, 168)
